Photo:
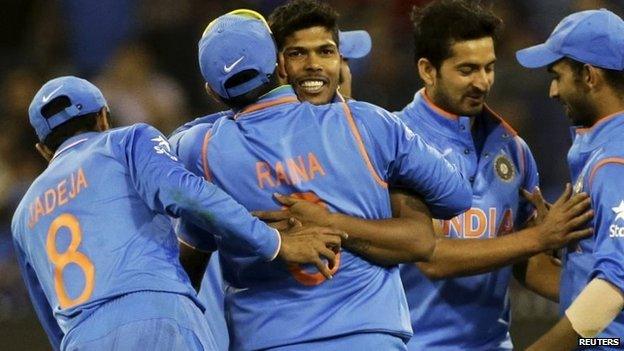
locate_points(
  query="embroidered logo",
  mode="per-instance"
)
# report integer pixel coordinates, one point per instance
(504, 168)
(163, 147)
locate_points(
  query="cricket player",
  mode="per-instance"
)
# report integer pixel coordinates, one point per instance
(93, 236)
(585, 54)
(341, 156)
(354, 45)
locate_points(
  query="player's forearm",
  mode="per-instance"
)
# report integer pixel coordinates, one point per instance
(387, 241)
(560, 338)
(457, 257)
(211, 209)
(541, 275)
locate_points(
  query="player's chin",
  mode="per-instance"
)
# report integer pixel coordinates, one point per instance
(471, 109)
(322, 97)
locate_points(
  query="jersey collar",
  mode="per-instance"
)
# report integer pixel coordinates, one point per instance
(283, 94)
(590, 138)
(450, 124)
(72, 142)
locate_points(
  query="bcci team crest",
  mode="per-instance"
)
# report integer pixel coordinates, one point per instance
(578, 186)
(504, 168)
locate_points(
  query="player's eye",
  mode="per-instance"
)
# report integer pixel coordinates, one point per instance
(328, 51)
(465, 70)
(294, 54)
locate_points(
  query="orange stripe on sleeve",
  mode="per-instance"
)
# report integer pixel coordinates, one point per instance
(204, 155)
(602, 163)
(362, 149)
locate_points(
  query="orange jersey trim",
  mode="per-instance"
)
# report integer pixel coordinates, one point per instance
(602, 163)
(436, 108)
(204, 154)
(360, 143)
(266, 104)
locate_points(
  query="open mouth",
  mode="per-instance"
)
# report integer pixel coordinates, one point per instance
(312, 85)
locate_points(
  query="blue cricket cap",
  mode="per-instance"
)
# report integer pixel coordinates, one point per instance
(84, 98)
(354, 44)
(595, 37)
(235, 42)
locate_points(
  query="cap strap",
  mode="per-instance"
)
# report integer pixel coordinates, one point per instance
(62, 116)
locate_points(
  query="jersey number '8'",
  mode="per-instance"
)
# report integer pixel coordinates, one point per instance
(71, 255)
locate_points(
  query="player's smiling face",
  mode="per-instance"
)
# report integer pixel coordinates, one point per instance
(566, 87)
(464, 79)
(310, 61)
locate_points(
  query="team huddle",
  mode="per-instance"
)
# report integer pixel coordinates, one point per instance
(303, 219)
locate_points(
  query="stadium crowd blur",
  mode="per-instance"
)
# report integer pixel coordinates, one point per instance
(142, 54)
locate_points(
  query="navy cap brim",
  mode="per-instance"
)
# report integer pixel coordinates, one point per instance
(537, 56)
(355, 44)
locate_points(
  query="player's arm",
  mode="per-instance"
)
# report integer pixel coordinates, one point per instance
(407, 238)
(39, 300)
(452, 258)
(592, 311)
(541, 274)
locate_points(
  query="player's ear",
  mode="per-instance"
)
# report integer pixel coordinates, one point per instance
(103, 120)
(281, 69)
(427, 71)
(213, 95)
(44, 151)
(591, 76)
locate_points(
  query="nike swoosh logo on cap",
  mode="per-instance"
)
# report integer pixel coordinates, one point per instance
(46, 98)
(229, 68)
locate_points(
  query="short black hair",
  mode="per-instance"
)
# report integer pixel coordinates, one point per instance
(614, 78)
(302, 14)
(442, 23)
(64, 131)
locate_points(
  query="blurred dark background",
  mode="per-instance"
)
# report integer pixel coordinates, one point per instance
(142, 54)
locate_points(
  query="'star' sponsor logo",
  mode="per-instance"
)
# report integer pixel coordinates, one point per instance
(615, 231)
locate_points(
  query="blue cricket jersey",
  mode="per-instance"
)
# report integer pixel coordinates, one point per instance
(342, 156)
(596, 162)
(95, 224)
(470, 313)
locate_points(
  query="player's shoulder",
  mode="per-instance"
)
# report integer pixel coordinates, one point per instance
(373, 116)
(207, 119)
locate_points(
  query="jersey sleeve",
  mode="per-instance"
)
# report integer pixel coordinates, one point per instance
(39, 300)
(526, 210)
(607, 194)
(187, 146)
(167, 187)
(406, 160)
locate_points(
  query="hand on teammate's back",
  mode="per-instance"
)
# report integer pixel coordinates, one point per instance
(302, 245)
(306, 212)
(565, 221)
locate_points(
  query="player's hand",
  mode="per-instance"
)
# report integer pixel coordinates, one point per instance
(308, 213)
(566, 220)
(302, 245)
(541, 205)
